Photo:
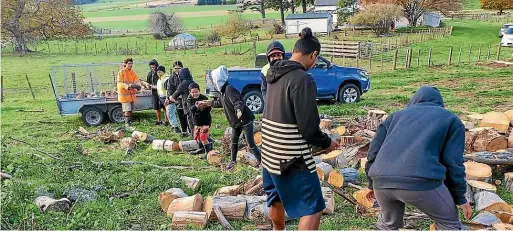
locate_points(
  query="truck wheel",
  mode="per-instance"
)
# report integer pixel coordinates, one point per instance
(255, 101)
(93, 116)
(349, 93)
(116, 115)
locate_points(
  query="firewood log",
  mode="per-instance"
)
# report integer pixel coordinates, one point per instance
(508, 181)
(253, 187)
(188, 204)
(329, 200)
(478, 171)
(46, 203)
(165, 198)
(491, 202)
(491, 158)
(214, 157)
(509, 114)
(474, 187)
(363, 162)
(142, 136)
(247, 158)
(486, 218)
(233, 190)
(182, 219)
(497, 120)
(510, 140)
(335, 159)
(468, 125)
(470, 138)
(128, 143)
(326, 124)
(502, 226)
(258, 211)
(258, 138)
(323, 169)
(192, 183)
(353, 154)
(165, 145)
(475, 117)
(489, 140)
(347, 140)
(341, 130)
(189, 145)
(376, 114)
(340, 178)
(361, 198)
(231, 206)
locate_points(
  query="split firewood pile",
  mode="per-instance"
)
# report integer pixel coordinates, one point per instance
(226, 141)
(105, 134)
(145, 91)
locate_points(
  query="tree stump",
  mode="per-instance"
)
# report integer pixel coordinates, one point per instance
(188, 146)
(490, 202)
(502, 226)
(478, 171)
(347, 140)
(326, 124)
(340, 178)
(192, 183)
(486, 218)
(233, 190)
(508, 181)
(497, 120)
(165, 145)
(474, 187)
(329, 200)
(165, 198)
(489, 140)
(231, 206)
(335, 159)
(361, 198)
(323, 169)
(49, 204)
(214, 157)
(182, 219)
(187, 204)
(341, 130)
(247, 158)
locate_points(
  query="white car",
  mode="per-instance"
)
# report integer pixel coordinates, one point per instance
(507, 39)
(504, 28)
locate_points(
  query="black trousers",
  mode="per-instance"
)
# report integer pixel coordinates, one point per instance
(183, 119)
(190, 124)
(248, 134)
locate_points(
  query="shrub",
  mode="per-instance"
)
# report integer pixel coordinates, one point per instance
(379, 17)
(235, 26)
(213, 37)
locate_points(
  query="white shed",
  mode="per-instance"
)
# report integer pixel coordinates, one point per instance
(183, 41)
(318, 22)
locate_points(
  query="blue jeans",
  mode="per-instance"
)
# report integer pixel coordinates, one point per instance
(171, 111)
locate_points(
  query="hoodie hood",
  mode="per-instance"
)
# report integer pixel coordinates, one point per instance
(427, 94)
(219, 77)
(274, 45)
(185, 74)
(153, 61)
(281, 67)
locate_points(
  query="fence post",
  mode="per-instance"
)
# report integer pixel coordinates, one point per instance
(30, 86)
(370, 58)
(418, 58)
(106, 48)
(2, 88)
(409, 58)
(164, 45)
(489, 51)
(95, 49)
(499, 52)
(469, 54)
(395, 58)
(479, 53)
(145, 47)
(127, 47)
(406, 60)
(85, 47)
(74, 82)
(382, 54)
(48, 44)
(450, 57)
(429, 56)
(76, 49)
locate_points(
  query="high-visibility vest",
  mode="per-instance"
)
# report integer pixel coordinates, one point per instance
(125, 78)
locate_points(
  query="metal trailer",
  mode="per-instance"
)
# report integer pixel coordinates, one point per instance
(84, 88)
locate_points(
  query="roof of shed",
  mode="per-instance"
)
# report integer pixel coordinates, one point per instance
(308, 16)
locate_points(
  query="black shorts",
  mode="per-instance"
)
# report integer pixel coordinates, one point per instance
(155, 101)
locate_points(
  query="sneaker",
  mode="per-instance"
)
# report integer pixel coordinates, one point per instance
(185, 134)
(177, 130)
(158, 123)
(197, 151)
(166, 124)
(230, 165)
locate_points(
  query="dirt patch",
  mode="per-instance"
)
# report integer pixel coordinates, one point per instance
(496, 64)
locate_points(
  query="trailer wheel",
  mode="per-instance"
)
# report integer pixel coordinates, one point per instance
(116, 115)
(93, 116)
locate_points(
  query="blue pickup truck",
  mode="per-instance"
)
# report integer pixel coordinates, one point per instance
(342, 84)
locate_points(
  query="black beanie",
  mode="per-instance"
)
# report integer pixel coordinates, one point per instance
(193, 85)
(161, 68)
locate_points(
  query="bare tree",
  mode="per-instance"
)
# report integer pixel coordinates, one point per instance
(165, 23)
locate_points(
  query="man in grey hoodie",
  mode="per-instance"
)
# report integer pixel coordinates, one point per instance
(416, 158)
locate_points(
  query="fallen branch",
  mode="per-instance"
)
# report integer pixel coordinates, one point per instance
(226, 225)
(354, 186)
(5, 176)
(153, 165)
(491, 158)
(24, 110)
(340, 193)
(36, 148)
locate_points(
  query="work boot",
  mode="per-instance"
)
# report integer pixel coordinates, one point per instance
(208, 148)
(199, 150)
(158, 123)
(177, 130)
(166, 124)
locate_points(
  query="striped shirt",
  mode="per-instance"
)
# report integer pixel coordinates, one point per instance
(281, 143)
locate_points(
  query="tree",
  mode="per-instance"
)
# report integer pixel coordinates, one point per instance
(346, 9)
(377, 16)
(499, 5)
(258, 5)
(235, 26)
(31, 20)
(165, 23)
(281, 5)
(414, 9)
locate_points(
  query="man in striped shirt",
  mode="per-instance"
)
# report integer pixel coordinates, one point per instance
(290, 128)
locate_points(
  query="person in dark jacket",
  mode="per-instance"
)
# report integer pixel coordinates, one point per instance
(416, 158)
(275, 51)
(290, 128)
(181, 93)
(171, 86)
(152, 79)
(238, 114)
(200, 112)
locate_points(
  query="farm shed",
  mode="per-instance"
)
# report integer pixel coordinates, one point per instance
(325, 5)
(431, 19)
(318, 22)
(183, 41)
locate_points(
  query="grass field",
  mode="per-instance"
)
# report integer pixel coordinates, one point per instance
(466, 88)
(471, 5)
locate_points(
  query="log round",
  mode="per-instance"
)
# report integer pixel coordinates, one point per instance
(340, 178)
(214, 157)
(474, 187)
(247, 158)
(163, 145)
(231, 206)
(341, 130)
(188, 204)
(182, 219)
(233, 190)
(510, 140)
(323, 170)
(335, 159)
(128, 142)
(508, 181)
(326, 124)
(497, 120)
(189, 145)
(258, 138)
(491, 202)
(486, 218)
(489, 140)
(329, 200)
(361, 198)
(49, 204)
(336, 178)
(478, 171)
(502, 226)
(165, 198)
(141, 136)
(192, 183)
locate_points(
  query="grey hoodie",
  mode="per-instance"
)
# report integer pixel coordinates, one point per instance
(419, 148)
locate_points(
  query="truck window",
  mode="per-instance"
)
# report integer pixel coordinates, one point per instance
(320, 64)
(260, 61)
